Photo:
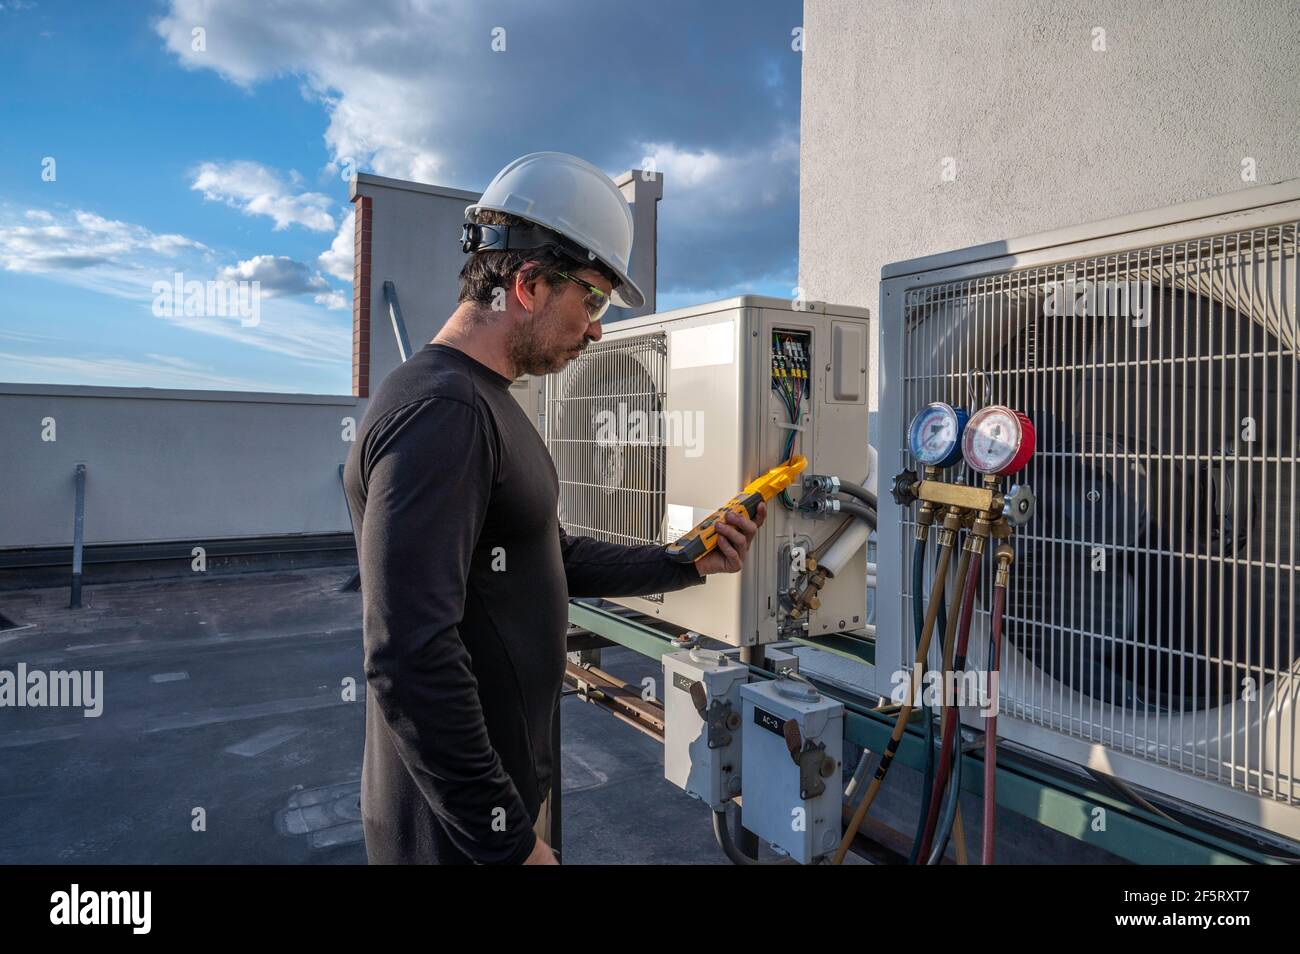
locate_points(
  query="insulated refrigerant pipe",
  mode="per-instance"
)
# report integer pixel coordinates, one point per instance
(947, 539)
(851, 540)
(1005, 557)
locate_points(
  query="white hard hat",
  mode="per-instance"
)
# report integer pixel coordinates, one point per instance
(568, 197)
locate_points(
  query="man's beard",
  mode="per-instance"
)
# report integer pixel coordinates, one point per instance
(530, 353)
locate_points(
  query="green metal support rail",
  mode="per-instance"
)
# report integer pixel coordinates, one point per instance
(1061, 804)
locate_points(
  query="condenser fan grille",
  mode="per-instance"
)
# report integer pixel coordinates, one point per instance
(1158, 577)
(604, 429)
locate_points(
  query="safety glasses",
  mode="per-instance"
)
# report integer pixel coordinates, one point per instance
(596, 302)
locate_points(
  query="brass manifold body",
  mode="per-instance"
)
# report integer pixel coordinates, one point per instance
(984, 511)
(1014, 506)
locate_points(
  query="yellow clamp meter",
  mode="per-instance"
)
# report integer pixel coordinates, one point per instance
(703, 537)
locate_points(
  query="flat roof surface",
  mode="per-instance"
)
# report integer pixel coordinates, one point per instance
(223, 692)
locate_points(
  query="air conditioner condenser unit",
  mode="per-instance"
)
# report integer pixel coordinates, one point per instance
(668, 416)
(1151, 625)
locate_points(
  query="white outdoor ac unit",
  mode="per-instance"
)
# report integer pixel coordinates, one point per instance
(1151, 621)
(670, 415)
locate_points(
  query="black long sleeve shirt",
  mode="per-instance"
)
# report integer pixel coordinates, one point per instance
(465, 580)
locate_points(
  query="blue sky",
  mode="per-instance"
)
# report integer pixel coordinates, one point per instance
(222, 159)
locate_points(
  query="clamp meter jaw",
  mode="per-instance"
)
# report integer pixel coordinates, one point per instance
(703, 537)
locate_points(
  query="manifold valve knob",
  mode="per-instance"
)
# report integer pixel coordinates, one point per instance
(904, 488)
(1018, 504)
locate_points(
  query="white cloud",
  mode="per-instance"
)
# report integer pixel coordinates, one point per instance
(413, 89)
(723, 202)
(360, 65)
(715, 183)
(82, 240)
(337, 259)
(124, 260)
(684, 169)
(254, 189)
(333, 300)
(279, 276)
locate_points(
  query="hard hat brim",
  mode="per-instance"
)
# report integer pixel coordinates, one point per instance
(626, 294)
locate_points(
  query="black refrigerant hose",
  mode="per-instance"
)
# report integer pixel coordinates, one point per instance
(862, 493)
(939, 827)
(858, 510)
(952, 797)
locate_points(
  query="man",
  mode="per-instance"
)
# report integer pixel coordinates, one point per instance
(465, 571)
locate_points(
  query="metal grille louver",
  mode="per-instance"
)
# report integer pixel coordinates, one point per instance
(603, 429)
(1153, 597)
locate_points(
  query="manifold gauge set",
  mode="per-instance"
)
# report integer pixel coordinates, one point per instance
(995, 440)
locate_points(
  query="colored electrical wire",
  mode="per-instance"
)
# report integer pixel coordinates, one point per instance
(791, 382)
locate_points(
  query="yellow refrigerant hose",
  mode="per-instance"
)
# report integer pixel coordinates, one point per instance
(947, 539)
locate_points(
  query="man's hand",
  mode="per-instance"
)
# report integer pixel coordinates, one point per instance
(735, 531)
(541, 855)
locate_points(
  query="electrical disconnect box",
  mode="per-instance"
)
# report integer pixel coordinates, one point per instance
(702, 723)
(792, 750)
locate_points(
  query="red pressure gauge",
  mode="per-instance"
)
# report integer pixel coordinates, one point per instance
(998, 440)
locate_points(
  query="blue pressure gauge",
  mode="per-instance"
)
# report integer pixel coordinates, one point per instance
(935, 435)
